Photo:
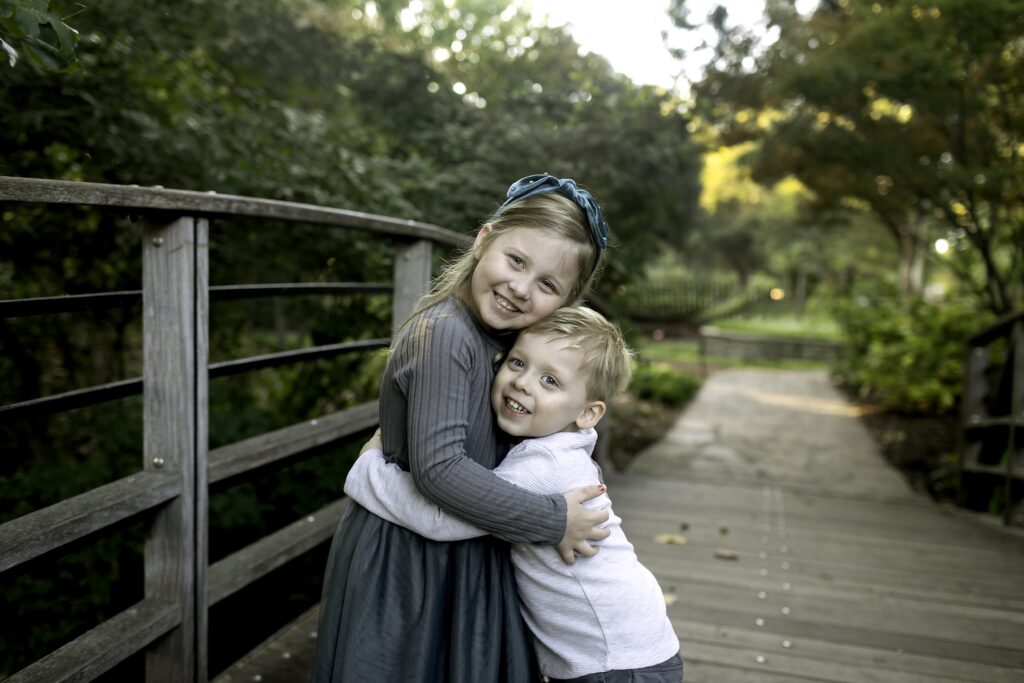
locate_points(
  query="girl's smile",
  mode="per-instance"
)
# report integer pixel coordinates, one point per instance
(521, 276)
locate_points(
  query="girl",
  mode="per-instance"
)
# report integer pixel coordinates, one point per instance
(397, 607)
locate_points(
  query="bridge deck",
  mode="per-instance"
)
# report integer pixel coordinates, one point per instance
(798, 554)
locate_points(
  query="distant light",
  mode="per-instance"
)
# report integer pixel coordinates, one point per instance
(941, 246)
(777, 294)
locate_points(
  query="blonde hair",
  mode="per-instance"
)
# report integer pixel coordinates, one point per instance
(552, 213)
(606, 357)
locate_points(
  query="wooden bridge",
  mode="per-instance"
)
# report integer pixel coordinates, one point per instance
(787, 548)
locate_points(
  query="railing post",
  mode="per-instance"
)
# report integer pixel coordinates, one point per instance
(1016, 415)
(174, 301)
(412, 279)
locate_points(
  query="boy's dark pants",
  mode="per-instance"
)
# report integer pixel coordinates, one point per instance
(669, 671)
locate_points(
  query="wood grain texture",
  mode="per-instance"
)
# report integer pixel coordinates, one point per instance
(37, 533)
(96, 651)
(169, 321)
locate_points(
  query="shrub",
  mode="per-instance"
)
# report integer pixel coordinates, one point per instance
(907, 356)
(661, 383)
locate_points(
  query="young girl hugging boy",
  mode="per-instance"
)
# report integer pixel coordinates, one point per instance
(396, 606)
(602, 619)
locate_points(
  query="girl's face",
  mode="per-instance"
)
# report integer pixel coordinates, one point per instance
(521, 277)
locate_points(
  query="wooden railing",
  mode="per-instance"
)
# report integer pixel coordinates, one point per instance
(170, 623)
(993, 413)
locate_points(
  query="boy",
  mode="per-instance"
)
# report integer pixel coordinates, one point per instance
(603, 618)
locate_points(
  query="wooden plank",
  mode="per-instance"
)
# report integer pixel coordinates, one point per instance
(412, 279)
(813, 648)
(285, 657)
(170, 372)
(213, 205)
(266, 449)
(255, 561)
(101, 648)
(37, 533)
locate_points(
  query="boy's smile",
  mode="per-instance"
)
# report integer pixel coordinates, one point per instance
(541, 389)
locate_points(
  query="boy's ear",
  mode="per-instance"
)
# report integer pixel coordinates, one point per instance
(481, 234)
(591, 415)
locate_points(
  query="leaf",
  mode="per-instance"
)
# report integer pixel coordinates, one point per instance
(723, 554)
(671, 599)
(670, 539)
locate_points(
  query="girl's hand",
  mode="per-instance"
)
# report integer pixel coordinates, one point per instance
(373, 444)
(581, 524)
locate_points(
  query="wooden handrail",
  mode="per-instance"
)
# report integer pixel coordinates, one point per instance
(212, 204)
(30, 536)
(999, 328)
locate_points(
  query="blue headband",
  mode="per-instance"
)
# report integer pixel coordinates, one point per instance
(542, 183)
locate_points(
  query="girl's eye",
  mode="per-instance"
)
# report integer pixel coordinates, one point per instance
(515, 259)
(550, 381)
(548, 286)
(515, 363)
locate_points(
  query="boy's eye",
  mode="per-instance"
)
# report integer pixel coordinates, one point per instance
(515, 363)
(550, 381)
(548, 286)
(515, 259)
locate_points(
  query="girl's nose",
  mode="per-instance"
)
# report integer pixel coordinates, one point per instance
(520, 288)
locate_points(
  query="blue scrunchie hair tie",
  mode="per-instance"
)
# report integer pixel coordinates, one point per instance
(541, 183)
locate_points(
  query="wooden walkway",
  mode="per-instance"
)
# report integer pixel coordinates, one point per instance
(796, 553)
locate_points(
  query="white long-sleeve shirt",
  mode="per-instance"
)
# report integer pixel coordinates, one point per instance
(603, 613)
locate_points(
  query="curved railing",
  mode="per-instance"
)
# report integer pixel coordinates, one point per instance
(170, 623)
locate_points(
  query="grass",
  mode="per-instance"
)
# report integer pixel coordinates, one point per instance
(686, 354)
(807, 326)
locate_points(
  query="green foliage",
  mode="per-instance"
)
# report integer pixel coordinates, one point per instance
(908, 111)
(909, 357)
(664, 384)
(30, 26)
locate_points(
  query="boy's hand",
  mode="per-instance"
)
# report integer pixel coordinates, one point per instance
(581, 524)
(373, 444)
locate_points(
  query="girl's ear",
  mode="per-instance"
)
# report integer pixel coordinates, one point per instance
(591, 415)
(481, 235)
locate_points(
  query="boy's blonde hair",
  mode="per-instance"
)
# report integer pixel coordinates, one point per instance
(552, 213)
(606, 358)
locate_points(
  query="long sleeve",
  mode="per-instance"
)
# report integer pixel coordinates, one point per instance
(435, 411)
(389, 492)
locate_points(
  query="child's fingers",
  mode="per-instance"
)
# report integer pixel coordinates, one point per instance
(592, 491)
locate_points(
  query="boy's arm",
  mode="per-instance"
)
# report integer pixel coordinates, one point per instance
(389, 492)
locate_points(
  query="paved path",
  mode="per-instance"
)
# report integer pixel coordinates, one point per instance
(840, 571)
(804, 556)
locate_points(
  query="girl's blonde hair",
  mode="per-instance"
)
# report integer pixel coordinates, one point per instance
(552, 213)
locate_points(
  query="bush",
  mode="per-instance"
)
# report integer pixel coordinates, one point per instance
(909, 357)
(663, 384)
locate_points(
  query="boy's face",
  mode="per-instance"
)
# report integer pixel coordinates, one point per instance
(541, 389)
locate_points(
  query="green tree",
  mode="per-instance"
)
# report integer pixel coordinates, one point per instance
(910, 111)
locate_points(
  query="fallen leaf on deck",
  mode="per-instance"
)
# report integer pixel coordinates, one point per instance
(670, 599)
(685, 526)
(670, 539)
(726, 554)
(723, 530)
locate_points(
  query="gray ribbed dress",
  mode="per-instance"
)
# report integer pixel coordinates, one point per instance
(397, 607)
